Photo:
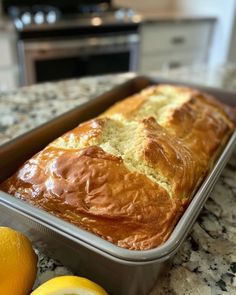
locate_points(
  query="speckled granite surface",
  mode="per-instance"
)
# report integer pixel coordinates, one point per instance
(206, 262)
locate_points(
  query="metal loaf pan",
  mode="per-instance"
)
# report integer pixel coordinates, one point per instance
(120, 271)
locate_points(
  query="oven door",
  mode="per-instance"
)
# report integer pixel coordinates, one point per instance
(62, 59)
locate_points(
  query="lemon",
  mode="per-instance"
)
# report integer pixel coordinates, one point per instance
(69, 285)
(18, 263)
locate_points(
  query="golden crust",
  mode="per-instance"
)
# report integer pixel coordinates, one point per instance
(201, 126)
(84, 134)
(94, 190)
(128, 175)
(198, 120)
(171, 159)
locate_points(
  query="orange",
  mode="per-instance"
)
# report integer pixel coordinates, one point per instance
(18, 263)
(69, 285)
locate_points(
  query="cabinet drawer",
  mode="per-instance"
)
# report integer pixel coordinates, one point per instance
(173, 36)
(166, 61)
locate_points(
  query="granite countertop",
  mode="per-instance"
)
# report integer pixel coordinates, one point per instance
(206, 262)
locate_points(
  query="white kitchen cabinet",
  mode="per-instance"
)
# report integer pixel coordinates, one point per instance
(171, 44)
(9, 79)
(9, 74)
(7, 49)
(163, 61)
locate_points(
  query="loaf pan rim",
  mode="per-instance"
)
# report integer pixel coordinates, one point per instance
(172, 244)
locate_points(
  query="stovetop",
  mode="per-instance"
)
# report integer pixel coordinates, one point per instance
(46, 17)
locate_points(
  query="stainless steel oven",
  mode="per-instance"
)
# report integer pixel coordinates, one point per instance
(60, 39)
(55, 59)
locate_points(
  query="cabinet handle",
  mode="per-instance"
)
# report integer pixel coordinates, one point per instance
(174, 64)
(177, 40)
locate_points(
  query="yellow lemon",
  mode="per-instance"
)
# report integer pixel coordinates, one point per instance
(69, 285)
(18, 263)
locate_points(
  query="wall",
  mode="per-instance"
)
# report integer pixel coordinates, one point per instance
(147, 6)
(232, 51)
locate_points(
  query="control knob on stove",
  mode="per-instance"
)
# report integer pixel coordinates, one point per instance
(26, 18)
(51, 16)
(120, 14)
(39, 17)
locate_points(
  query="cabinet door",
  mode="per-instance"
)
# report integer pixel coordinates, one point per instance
(9, 79)
(7, 49)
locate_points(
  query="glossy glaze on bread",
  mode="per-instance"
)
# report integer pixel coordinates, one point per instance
(129, 174)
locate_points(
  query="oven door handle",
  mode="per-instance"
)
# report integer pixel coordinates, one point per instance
(45, 46)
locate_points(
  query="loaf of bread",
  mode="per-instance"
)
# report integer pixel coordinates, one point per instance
(128, 175)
